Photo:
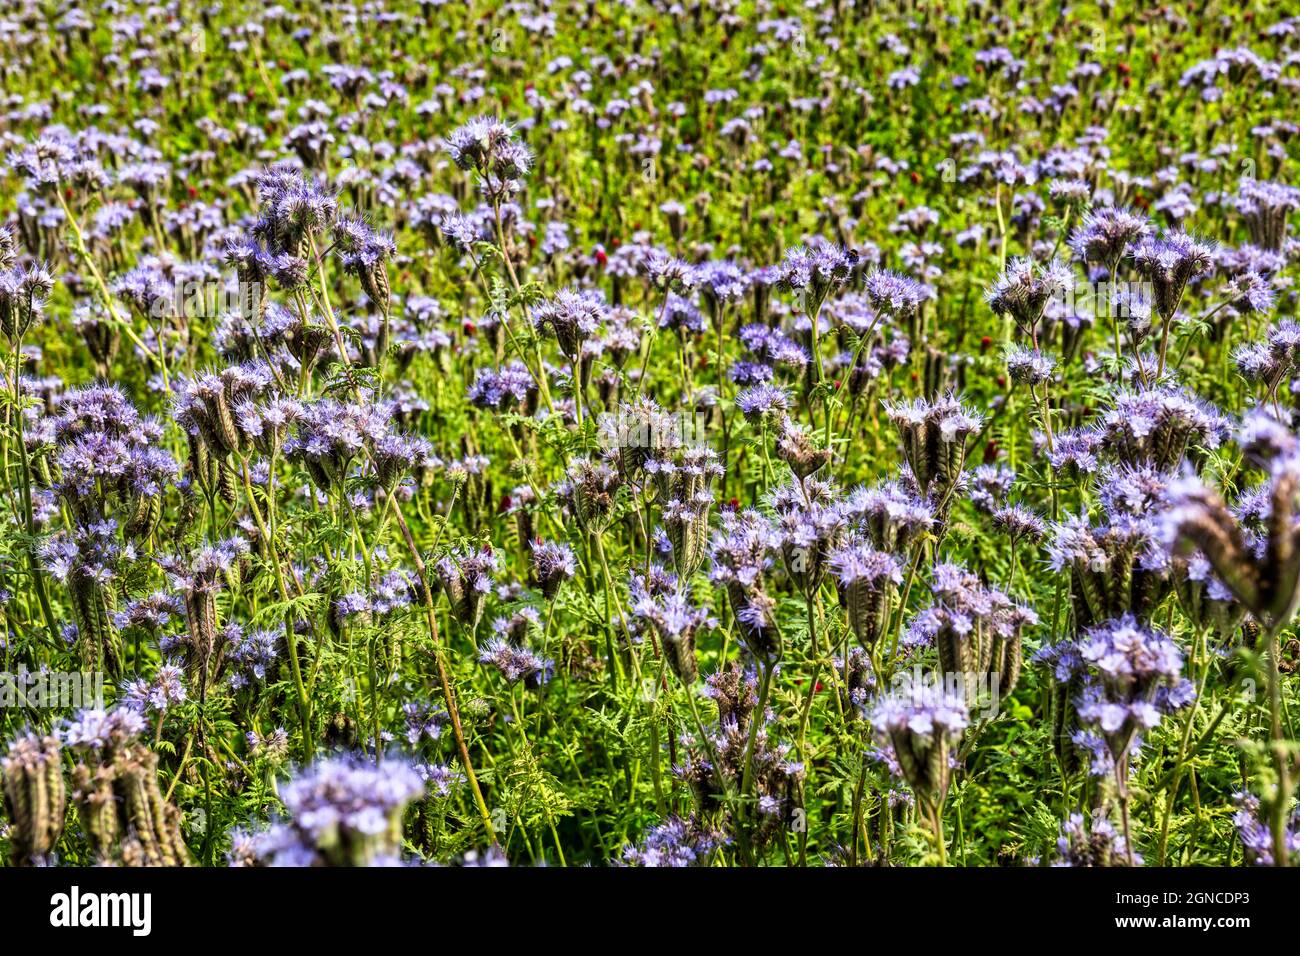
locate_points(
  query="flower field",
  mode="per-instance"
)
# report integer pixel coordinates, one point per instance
(638, 434)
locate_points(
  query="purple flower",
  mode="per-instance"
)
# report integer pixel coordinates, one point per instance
(343, 811)
(893, 295)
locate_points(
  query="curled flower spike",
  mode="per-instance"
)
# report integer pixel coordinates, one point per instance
(466, 576)
(740, 554)
(796, 447)
(1256, 838)
(1266, 580)
(1206, 600)
(294, 211)
(637, 433)
(115, 788)
(1091, 844)
(866, 580)
(1105, 233)
(1116, 566)
(364, 253)
(572, 316)
(343, 811)
(22, 300)
(976, 631)
(1266, 207)
(516, 661)
(934, 436)
(1169, 263)
(1029, 366)
(896, 296)
(676, 620)
(1159, 427)
(589, 489)
(811, 525)
(1024, 290)
(553, 564)
(763, 403)
(1019, 523)
(1274, 360)
(490, 148)
(815, 273)
(35, 798)
(895, 519)
(1131, 664)
(989, 486)
(500, 389)
(922, 723)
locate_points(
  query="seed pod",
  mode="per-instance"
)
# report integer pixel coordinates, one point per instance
(375, 283)
(97, 638)
(1006, 660)
(226, 485)
(755, 621)
(679, 652)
